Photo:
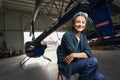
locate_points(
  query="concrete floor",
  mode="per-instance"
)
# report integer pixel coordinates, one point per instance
(41, 69)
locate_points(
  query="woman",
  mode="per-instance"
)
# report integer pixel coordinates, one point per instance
(74, 54)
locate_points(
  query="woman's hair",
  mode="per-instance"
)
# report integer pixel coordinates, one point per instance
(80, 14)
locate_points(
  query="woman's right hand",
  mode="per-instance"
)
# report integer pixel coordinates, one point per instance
(69, 58)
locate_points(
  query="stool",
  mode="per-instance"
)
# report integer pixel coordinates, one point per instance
(60, 75)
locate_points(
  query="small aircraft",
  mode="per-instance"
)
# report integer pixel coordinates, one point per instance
(99, 17)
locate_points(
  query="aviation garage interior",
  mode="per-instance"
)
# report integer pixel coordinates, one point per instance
(32, 30)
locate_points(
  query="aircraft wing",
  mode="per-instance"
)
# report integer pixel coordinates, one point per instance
(102, 19)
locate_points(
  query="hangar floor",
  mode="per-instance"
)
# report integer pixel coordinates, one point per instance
(42, 69)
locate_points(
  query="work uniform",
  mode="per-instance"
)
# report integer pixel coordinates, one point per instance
(86, 67)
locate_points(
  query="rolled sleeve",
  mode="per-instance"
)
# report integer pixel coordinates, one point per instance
(87, 48)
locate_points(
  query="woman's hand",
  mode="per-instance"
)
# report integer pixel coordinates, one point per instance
(69, 58)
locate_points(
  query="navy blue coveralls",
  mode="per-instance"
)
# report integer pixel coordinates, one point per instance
(86, 67)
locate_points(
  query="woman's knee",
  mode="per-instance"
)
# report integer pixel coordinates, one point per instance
(93, 62)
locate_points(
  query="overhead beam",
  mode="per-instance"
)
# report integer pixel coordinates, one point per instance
(19, 7)
(26, 1)
(19, 3)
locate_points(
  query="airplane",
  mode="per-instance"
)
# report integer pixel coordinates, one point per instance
(99, 17)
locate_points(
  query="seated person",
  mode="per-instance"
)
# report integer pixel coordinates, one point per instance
(74, 54)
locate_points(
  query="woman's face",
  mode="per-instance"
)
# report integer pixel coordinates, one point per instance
(79, 23)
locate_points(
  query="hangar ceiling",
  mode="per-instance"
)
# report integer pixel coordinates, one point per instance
(54, 8)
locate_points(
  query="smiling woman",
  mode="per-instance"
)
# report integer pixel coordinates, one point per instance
(74, 53)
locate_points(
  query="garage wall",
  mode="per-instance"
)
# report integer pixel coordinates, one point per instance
(1, 21)
(14, 23)
(1, 30)
(11, 25)
(13, 30)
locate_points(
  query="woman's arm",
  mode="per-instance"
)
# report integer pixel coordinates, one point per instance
(84, 54)
(86, 47)
(70, 57)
